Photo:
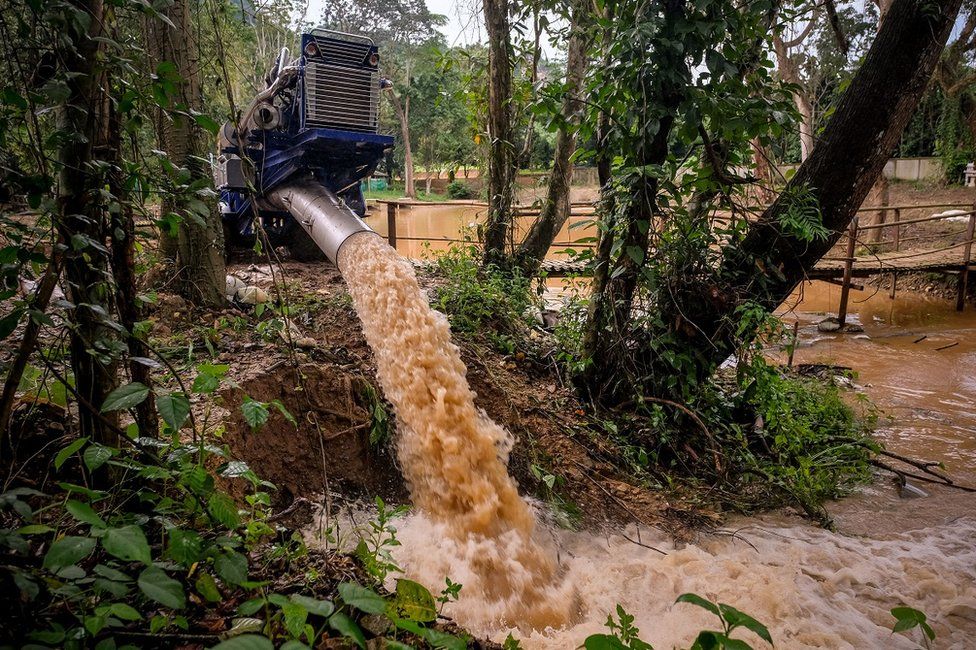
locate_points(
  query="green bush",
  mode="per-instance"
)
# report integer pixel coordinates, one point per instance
(483, 302)
(459, 190)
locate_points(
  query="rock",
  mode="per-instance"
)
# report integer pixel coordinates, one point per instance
(908, 490)
(306, 342)
(853, 328)
(251, 295)
(829, 324)
(550, 317)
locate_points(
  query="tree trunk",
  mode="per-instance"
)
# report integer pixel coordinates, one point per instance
(199, 247)
(556, 208)
(880, 196)
(762, 191)
(769, 263)
(789, 73)
(81, 220)
(403, 113)
(608, 320)
(501, 155)
(126, 300)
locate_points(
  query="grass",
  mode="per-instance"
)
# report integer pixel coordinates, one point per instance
(397, 193)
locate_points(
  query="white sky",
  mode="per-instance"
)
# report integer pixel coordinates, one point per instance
(464, 19)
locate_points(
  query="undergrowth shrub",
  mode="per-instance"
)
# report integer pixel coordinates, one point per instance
(459, 190)
(483, 302)
(142, 544)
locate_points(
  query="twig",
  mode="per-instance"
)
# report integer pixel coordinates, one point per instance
(620, 503)
(921, 338)
(946, 347)
(919, 477)
(290, 509)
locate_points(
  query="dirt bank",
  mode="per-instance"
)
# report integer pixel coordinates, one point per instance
(341, 441)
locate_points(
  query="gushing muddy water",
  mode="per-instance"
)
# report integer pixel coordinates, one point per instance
(813, 588)
(476, 527)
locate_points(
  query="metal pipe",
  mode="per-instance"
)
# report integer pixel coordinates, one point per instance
(327, 220)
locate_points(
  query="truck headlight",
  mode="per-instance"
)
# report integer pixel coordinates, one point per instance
(311, 49)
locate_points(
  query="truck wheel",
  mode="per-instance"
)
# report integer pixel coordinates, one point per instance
(302, 247)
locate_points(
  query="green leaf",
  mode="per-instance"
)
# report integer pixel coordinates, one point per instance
(438, 639)
(362, 598)
(695, 599)
(84, 513)
(160, 587)
(96, 455)
(207, 587)
(207, 123)
(249, 607)
(735, 619)
(185, 546)
(255, 413)
(125, 612)
(347, 628)
(174, 408)
(315, 606)
(224, 510)
(125, 397)
(295, 617)
(34, 529)
(245, 642)
(67, 451)
(67, 551)
(127, 543)
(413, 601)
(231, 567)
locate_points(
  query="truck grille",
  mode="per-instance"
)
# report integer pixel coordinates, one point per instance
(344, 52)
(341, 98)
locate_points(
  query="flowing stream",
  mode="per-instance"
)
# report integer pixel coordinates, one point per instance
(813, 588)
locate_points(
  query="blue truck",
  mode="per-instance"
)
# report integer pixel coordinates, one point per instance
(315, 123)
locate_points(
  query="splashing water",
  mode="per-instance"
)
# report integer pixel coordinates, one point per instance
(811, 587)
(477, 527)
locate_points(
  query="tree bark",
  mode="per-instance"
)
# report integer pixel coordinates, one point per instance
(199, 247)
(608, 319)
(501, 155)
(81, 219)
(403, 113)
(789, 73)
(556, 208)
(769, 263)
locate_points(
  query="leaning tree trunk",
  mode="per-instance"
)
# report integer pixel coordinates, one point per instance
(501, 154)
(769, 262)
(81, 220)
(199, 247)
(556, 208)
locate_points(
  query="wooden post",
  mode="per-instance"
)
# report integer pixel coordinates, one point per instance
(897, 218)
(845, 289)
(894, 285)
(391, 233)
(967, 252)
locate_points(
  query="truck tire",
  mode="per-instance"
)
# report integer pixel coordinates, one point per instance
(302, 247)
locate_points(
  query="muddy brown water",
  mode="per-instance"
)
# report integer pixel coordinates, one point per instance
(813, 588)
(926, 394)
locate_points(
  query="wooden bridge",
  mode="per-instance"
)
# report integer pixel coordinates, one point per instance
(863, 249)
